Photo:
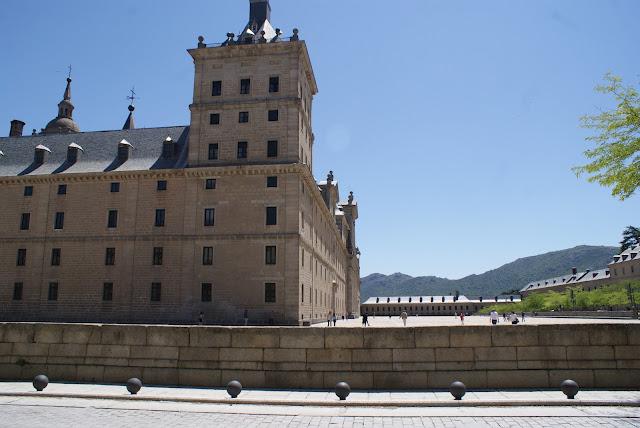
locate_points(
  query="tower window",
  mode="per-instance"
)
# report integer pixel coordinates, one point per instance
(270, 292)
(53, 291)
(115, 187)
(162, 185)
(209, 217)
(107, 291)
(17, 290)
(55, 257)
(272, 216)
(270, 255)
(206, 294)
(59, 221)
(272, 181)
(272, 149)
(25, 219)
(112, 221)
(242, 150)
(22, 257)
(110, 257)
(160, 217)
(207, 256)
(157, 256)
(210, 184)
(156, 291)
(216, 88)
(274, 84)
(213, 151)
(243, 117)
(214, 119)
(28, 191)
(273, 115)
(62, 189)
(245, 86)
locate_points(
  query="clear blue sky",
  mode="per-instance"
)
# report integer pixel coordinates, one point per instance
(456, 123)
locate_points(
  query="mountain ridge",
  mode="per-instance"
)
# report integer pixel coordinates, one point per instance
(508, 277)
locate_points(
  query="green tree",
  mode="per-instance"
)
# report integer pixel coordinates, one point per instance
(615, 160)
(630, 237)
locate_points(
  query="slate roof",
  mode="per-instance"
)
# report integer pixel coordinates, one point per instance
(632, 253)
(436, 299)
(579, 278)
(99, 154)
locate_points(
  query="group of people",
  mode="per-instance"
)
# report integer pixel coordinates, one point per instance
(506, 317)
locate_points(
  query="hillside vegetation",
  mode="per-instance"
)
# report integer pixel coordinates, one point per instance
(512, 276)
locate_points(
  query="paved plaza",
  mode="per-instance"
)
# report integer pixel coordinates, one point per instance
(413, 321)
(64, 405)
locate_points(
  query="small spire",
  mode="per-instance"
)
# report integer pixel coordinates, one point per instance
(67, 91)
(129, 124)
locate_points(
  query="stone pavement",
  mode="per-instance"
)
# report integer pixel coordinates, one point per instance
(431, 321)
(66, 405)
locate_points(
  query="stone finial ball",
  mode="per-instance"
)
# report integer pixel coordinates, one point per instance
(134, 385)
(234, 388)
(570, 388)
(40, 382)
(200, 39)
(343, 390)
(458, 390)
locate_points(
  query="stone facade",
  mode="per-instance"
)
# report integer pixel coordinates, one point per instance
(432, 305)
(504, 356)
(223, 218)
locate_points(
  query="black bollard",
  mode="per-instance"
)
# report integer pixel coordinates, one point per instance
(234, 388)
(458, 390)
(343, 390)
(134, 385)
(570, 388)
(40, 382)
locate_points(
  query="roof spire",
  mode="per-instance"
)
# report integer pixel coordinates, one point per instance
(63, 123)
(129, 124)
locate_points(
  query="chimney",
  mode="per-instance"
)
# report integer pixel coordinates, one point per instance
(574, 271)
(16, 128)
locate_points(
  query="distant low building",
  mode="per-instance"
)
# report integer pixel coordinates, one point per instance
(624, 266)
(430, 305)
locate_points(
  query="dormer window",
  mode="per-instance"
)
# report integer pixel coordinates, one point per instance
(72, 152)
(40, 153)
(167, 148)
(123, 150)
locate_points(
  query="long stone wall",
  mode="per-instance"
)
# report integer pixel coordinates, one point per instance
(504, 356)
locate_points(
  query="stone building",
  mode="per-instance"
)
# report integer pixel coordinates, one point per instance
(432, 305)
(222, 217)
(624, 266)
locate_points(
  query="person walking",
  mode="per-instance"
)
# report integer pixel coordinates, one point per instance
(404, 317)
(329, 319)
(201, 319)
(334, 320)
(462, 317)
(523, 317)
(364, 320)
(494, 317)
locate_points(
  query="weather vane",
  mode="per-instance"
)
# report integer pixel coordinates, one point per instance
(70, 68)
(133, 97)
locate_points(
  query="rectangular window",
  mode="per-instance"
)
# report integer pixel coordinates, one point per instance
(269, 292)
(160, 216)
(274, 84)
(245, 86)
(115, 187)
(207, 256)
(272, 149)
(216, 88)
(273, 115)
(272, 181)
(210, 184)
(28, 191)
(206, 292)
(107, 291)
(156, 291)
(110, 257)
(242, 150)
(17, 291)
(243, 117)
(53, 291)
(272, 216)
(209, 216)
(112, 221)
(157, 256)
(62, 189)
(270, 255)
(59, 221)
(162, 185)
(55, 256)
(214, 119)
(24, 221)
(213, 151)
(22, 257)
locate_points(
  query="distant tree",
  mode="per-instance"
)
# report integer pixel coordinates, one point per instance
(630, 237)
(615, 160)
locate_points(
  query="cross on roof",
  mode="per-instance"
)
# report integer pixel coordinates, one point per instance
(132, 97)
